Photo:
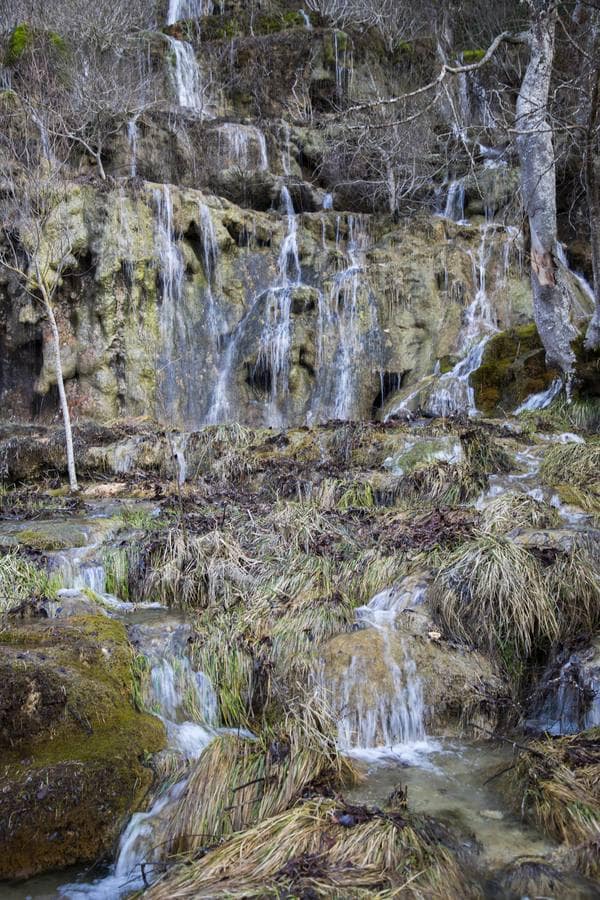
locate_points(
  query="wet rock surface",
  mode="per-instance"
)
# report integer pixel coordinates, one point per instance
(73, 749)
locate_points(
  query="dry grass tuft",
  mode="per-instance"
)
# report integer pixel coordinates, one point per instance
(560, 778)
(305, 852)
(491, 593)
(238, 782)
(574, 581)
(511, 510)
(575, 465)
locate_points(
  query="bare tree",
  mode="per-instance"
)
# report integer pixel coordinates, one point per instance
(36, 238)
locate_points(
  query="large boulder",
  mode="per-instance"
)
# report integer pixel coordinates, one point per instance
(74, 749)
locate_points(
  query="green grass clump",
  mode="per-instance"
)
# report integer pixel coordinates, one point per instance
(18, 42)
(573, 580)
(21, 580)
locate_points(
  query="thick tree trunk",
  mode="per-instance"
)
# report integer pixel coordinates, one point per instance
(64, 406)
(551, 296)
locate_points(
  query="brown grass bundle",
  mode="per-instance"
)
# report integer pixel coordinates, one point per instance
(560, 778)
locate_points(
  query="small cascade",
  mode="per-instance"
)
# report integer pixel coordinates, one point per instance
(343, 63)
(132, 139)
(328, 201)
(387, 719)
(187, 704)
(178, 444)
(188, 9)
(210, 260)
(452, 393)
(568, 695)
(342, 339)
(455, 202)
(541, 400)
(185, 75)
(244, 146)
(172, 317)
(305, 17)
(286, 153)
(275, 340)
(585, 287)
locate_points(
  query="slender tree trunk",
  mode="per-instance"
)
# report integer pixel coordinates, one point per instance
(592, 186)
(61, 390)
(551, 296)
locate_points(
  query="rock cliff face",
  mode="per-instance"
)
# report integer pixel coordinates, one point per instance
(188, 307)
(239, 264)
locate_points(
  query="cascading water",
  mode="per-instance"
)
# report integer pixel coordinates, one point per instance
(187, 704)
(453, 393)
(275, 341)
(188, 9)
(210, 260)
(342, 339)
(244, 146)
(376, 722)
(185, 75)
(541, 400)
(132, 139)
(455, 202)
(174, 345)
(275, 338)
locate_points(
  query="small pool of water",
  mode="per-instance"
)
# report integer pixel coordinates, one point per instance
(456, 788)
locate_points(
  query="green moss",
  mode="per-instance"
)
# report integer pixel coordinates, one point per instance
(513, 367)
(41, 540)
(20, 39)
(84, 737)
(473, 56)
(271, 24)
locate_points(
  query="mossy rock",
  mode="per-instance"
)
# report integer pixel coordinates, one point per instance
(74, 749)
(513, 368)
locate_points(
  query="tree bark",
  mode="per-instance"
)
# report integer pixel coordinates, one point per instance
(592, 187)
(551, 295)
(64, 406)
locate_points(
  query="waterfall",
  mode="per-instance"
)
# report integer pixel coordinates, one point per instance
(455, 202)
(188, 9)
(380, 720)
(175, 693)
(210, 260)
(275, 340)
(244, 146)
(185, 75)
(172, 316)
(307, 22)
(132, 139)
(452, 393)
(342, 339)
(327, 201)
(542, 399)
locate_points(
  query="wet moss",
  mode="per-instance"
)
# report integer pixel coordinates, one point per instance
(76, 763)
(513, 368)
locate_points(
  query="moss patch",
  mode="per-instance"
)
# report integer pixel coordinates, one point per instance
(513, 368)
(73, 747)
